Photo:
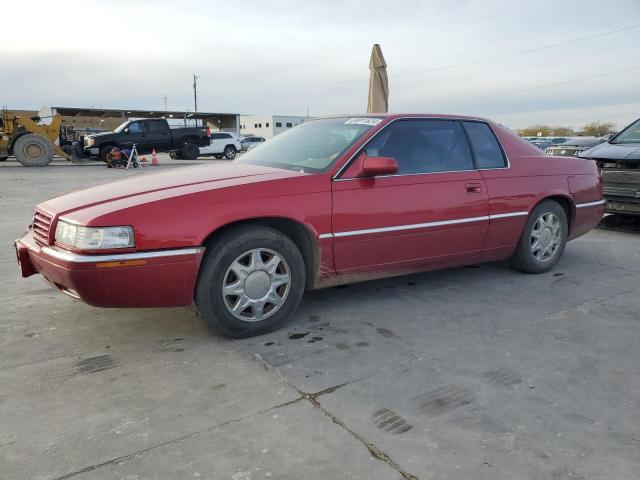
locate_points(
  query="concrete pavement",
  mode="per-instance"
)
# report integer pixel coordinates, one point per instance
(477, 372)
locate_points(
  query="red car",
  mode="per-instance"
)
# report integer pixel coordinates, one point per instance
(332, 201)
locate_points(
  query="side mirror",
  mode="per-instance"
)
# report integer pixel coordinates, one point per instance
(375, 166)
(127, 131)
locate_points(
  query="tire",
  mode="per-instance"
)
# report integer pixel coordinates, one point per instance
(2, 159)
(190, 151)
(543, 239)
(33, 150)
(230, 152)
(232, 253)
(104, 151)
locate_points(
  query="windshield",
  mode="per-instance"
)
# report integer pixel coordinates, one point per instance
(121, 127)
(631, 134)
(312, 146)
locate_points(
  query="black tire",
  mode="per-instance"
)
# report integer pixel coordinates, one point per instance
(190, 151)
(219, 257)
(33, 150)
(524, 258)
(104, 151)
(218, 156)
(230, 152)
(2, 159)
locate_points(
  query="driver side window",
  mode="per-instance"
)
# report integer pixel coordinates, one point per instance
(136, 127)
(424, 146)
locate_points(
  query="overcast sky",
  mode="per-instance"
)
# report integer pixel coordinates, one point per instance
(282, 56)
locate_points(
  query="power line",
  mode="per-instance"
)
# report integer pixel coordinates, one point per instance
(515, 54)
(538, 87)
(499, 57)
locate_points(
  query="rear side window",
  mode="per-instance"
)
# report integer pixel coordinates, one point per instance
(485, 145)
(156, 126)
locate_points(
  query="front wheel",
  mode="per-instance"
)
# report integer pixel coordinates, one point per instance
(230, 152)
(251, 281)
(543, 239)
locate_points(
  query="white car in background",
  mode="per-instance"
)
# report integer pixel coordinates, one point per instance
(222, 144)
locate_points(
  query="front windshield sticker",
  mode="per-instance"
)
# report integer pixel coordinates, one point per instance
(363, 121)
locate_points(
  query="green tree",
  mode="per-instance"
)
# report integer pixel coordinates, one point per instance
(598, 129)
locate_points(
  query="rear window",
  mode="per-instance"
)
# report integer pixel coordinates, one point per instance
(485, 146)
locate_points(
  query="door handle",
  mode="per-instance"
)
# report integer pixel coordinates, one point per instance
(473, 187)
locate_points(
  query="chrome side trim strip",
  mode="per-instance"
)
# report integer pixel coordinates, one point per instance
(421, 225)
(79, 258)
(591, 204)
(507, 215)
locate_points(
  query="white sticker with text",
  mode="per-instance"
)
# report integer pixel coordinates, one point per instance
(363, 121)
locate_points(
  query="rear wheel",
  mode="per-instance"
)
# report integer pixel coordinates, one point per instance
(33, 150)
(230, 152)
(543, 239)
(190, 151)
(251, 281)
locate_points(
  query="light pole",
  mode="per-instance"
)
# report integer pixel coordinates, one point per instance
(195, 93)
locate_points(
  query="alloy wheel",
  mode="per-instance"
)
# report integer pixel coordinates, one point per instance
(256, 285)
(546, 237)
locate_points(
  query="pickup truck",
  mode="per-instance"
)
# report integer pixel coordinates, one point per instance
(184, 142)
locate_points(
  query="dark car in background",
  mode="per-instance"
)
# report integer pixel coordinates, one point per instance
(251, 142)
(619, 161)
(541, 144)
(573, 147)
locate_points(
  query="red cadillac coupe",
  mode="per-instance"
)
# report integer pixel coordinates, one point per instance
(332, 201)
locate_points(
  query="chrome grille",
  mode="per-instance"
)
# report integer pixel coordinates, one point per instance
(41, 227)
(618, 191)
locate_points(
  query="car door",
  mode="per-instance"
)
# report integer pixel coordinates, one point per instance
(158, 135)
(434, 209)
(136, 134)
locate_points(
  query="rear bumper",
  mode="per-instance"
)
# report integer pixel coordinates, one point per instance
(588, 216)
(159, 278)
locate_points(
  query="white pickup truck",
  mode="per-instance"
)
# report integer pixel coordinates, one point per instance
(222, 144)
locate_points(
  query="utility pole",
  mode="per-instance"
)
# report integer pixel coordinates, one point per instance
(165, 102)
(195, 93)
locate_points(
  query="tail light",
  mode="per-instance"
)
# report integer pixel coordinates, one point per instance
(208, 131)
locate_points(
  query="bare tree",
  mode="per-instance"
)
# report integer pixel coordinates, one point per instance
(598, 129)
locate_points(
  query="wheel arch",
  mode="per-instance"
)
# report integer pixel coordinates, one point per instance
(299, 233)
(567, 204)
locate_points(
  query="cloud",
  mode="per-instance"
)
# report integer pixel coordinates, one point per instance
(283, 56)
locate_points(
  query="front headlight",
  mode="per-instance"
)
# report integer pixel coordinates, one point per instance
(90, 142)
(94, 238)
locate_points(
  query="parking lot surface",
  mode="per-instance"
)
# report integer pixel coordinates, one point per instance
(478, 372)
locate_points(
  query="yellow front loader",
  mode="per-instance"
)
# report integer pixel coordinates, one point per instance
(32, 143)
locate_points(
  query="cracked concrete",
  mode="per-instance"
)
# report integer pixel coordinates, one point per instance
(479, 373)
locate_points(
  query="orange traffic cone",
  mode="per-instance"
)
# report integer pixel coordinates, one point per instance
(154, 158)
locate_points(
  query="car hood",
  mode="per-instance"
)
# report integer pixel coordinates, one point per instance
(612, 151)
(102, 134)
(201, 176)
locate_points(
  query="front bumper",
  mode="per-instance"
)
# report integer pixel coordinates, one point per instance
(91, 151)
(159, 278)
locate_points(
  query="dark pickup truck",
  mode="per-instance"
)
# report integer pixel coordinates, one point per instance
(148, 135)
